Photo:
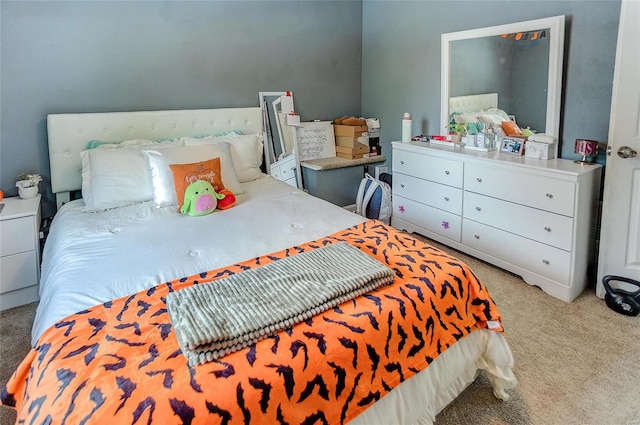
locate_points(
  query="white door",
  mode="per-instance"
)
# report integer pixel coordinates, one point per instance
(620, 230)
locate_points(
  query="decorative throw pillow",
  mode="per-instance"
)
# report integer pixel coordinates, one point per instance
(185, 174)
(510, 128)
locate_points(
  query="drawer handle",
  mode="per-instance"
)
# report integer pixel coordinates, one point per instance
(547, 228)
(446, 198)
(402, 162)
(479, 180)
(476, 236)
(402, 186)
(550, 195)
(547, 262)
(478, 209)
(447, 172)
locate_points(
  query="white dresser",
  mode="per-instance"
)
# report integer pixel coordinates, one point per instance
(535, 218)
(19, 251)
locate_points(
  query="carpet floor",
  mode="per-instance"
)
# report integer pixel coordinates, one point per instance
(576, 363)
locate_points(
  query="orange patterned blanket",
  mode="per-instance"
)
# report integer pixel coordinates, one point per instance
(119, 362)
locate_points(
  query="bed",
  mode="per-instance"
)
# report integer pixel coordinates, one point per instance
(105, 346)
(480, 112)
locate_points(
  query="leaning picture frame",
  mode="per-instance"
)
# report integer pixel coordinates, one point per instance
(513, 145)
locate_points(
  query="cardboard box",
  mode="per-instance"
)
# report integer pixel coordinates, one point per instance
(349, 155)
(358, 148)
(349, 130)
(346, 141)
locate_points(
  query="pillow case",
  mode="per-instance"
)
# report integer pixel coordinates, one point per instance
(162, 183)
(493, 116)
(185, 174)
(510, 128)
(114, 178)
(92, 205)
(246, 152)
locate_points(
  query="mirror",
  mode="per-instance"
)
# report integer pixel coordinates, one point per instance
(278, 136)
(521, 62)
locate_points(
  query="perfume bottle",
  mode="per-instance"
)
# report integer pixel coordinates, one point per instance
(499, 135)
(490, 137)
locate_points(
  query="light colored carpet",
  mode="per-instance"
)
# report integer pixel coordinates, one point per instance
(576, 363)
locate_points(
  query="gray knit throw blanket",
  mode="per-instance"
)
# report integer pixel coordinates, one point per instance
(217, 318)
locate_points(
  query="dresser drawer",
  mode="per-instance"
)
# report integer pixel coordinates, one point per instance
(542, 226)
(17, 235)
(537, 191)
(437, 170)
(429, 193)
(545, 260)
(433, 219)
(18, 271)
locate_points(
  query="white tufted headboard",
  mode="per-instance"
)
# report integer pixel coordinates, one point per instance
(69, 134)
(476, 102)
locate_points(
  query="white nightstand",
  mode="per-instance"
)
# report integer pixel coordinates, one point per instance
(19, 251)
(285, 170)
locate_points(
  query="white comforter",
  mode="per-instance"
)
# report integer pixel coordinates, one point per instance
(155, 245)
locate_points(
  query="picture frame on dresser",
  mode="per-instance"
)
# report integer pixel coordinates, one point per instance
(513, 145)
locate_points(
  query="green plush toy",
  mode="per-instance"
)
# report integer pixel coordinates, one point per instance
(200, 199)
(527, 132)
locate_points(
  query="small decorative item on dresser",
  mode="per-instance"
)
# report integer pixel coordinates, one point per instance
(513, 145)
(27, 185)
(586, 148)
(406, 127)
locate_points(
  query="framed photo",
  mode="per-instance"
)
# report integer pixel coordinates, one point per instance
(513, 145)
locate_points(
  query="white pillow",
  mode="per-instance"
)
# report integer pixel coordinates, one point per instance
(246, 153)
(134, 144)
(493, 116)
(163, 188)
(114, 178)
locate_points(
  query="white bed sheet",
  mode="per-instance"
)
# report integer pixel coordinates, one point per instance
(152, 245)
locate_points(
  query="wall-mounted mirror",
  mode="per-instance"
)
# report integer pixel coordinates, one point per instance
(520, 62)
(280, 137)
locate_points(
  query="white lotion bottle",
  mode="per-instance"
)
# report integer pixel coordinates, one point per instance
(406, 127)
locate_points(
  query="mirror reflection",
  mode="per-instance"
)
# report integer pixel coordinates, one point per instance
(279, 137)
(515, 66)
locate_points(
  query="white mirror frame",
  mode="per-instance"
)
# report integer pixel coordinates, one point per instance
(556, 48)
(269, 155)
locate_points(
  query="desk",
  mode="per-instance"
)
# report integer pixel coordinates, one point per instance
(336, 179)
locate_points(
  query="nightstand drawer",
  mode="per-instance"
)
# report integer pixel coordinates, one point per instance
(18, 271)
(17, 235)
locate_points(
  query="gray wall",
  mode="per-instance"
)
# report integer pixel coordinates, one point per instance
(401, 60)
(100, 56)
(374, 58)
